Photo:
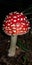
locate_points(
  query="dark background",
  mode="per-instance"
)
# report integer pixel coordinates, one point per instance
(7, 6)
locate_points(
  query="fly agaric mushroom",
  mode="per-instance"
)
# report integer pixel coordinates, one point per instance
(15, 24)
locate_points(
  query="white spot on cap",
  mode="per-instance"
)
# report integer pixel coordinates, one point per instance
(14, 20)
(7, 16)
(9, 20)
(6, 31)
(15, 12)
(27, 24)
(21, 13)
(21, 31)
(8, 27)
(17, 25)
(10, 32)
(14, 30)
(20, 28)
(13, 25)
(17, 28)
(21, 19)
(10, 13)
(23, 28)
(3, 25)
(25, 31)
(14, 16)
(23, 23)
(24, 18)
(28, 28)
(17, 15)
(4, 20)
(8, 24)
(18, 19)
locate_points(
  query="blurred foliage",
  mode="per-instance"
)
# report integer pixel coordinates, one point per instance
(22, 46)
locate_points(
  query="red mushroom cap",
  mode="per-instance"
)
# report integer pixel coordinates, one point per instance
(16, 24)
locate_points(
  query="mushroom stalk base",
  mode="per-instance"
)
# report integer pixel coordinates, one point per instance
(12, 46)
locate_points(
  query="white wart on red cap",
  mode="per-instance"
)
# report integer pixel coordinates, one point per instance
(16, 23)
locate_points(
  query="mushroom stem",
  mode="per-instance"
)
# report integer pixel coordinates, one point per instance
(13, 45)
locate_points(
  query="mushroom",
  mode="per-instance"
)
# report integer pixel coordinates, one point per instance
(15, 24)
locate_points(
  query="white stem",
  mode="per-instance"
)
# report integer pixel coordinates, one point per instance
(13, 45)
